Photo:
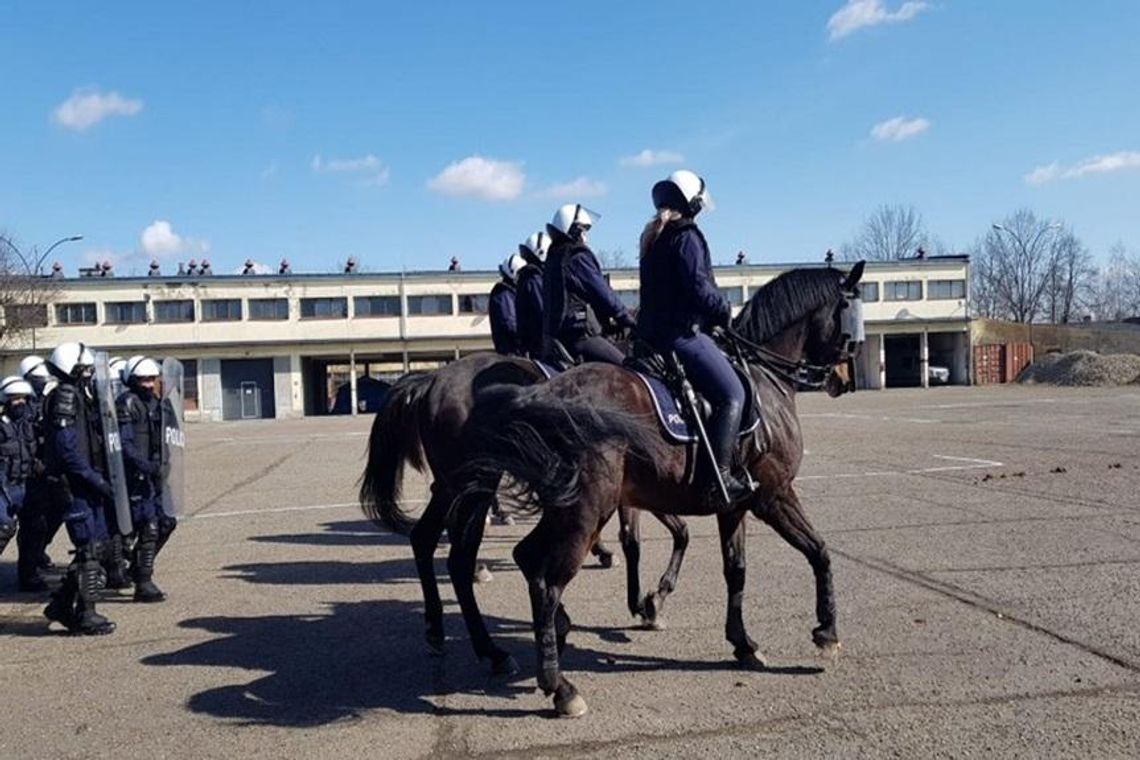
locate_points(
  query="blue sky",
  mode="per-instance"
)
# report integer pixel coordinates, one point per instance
(323, 130)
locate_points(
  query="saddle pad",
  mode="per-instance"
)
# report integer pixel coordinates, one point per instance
(673, 422)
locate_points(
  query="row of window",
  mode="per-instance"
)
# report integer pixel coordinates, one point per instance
(277, 309)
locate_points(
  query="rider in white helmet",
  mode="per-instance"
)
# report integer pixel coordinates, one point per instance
(680, 303)
(501, 307)
(528, 298)
(578, 300)
(140, 430)
(74, 460)
(17, 453)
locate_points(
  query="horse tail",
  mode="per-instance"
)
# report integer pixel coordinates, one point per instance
(545, 442)
(394, 440)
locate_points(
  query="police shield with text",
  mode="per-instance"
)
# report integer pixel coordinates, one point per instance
(173, 449)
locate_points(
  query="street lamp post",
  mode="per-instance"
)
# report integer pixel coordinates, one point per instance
(1025, 252)
(34, 268)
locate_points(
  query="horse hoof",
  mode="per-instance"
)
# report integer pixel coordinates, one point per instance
(651, 624)
(608, 560)
(483, 575)
(504, 667)
(830, 650)
(751, 661)
(575, 707)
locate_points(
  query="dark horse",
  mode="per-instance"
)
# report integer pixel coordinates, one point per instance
(588, 440)
(421, 423)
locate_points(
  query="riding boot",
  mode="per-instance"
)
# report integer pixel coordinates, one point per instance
(115, 564)
(87, 621)
(723, 429)
(29, 548)
(145, 550)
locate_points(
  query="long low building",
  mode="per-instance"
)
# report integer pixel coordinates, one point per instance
(262, 346)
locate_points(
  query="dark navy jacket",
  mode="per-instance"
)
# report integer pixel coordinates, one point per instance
(504, 324)
(140, 430)
(74, 441)
(678, 289)
(528, 302)
(577, 295)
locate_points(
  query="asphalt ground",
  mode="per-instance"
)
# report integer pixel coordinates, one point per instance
(985, 547)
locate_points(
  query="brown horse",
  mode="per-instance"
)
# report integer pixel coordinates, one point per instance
(421, 424)
(588, 440)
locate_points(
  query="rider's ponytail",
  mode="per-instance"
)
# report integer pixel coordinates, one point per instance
(655, 227)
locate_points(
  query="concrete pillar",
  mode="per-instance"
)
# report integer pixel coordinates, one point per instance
(882, 370)
(924, 358)
(352, 380)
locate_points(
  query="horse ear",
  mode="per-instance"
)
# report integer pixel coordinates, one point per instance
(854, 276)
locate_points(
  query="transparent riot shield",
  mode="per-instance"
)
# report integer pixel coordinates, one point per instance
(173, 439)
(112, 443)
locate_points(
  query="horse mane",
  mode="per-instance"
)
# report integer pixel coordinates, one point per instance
(785, 300)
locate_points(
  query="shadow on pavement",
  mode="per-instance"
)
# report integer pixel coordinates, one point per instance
(343, 533)
(365, 656)
(324, 572)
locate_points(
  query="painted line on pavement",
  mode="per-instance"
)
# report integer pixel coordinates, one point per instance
(970, 463)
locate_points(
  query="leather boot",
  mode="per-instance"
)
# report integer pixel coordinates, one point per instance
(115, 564)
(61, 608)
(145, 550)
(29, 557)
(723, 428)
(87, 621)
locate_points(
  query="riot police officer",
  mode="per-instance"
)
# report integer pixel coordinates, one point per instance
(502, 307)
(17, 444)
(42, 515)
(528, 296)
(680, 303)
(576, 295)
(140, 429)
(77, 470)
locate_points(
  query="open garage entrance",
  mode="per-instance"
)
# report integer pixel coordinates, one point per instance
(952, 351)
(904, 360)
(247, 389)
(328, 387)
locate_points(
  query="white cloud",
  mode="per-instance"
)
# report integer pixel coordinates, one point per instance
(86, 108)
(649, 157)
(366, 163)
(159, 239)
(1106, 164)
(582, 187)
(482, 178)
(379, 179)
(899, 128)
(858, 14)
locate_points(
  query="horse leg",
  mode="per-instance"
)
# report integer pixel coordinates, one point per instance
(425, 539)
(630, 536)
(604, 554)
(651, 605)
(732, 535)
(466, 533)
(786, 516)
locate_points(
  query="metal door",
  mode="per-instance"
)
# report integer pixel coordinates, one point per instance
(250, 400)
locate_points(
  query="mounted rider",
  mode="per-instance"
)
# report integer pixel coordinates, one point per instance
(680, 305)
(502, 307)
(577, 295)
(529, 297)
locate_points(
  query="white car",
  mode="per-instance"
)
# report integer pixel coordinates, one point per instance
(938, 375)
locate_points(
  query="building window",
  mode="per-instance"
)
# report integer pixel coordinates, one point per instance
(75, 313)
(734, 294)
(474, 303)
(21, 315)
(432, 305)
(190, 385)
(125, 312)
(376, 306)
(324, 308)
(266, 309)
(869, 291)
(173, 311)
(630, 298)
(945, 290)
(900, 290)
(221, 310)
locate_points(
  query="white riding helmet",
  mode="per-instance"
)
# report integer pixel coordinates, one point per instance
(682, 191)
(537, 245)
(511, 266)
(69, 357)
(14, 385)
(572, 217)
(140, 367)
(34, 365)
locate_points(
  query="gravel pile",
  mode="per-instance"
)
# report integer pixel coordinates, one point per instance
(1085, 368)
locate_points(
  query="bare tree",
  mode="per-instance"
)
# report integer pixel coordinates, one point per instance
(1072, 279)
(889, 234)
(613, 258)
(25, 296)
(1014, 266)
(1117, 293)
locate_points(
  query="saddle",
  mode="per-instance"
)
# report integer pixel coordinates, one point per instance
(662, 377)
